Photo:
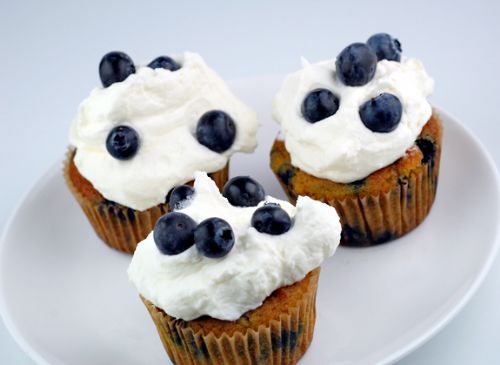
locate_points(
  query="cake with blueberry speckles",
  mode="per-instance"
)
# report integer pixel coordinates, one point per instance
(360, 135)
(231, 278)
(145, 131)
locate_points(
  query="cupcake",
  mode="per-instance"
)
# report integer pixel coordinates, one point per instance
(145, 131)
(232, 278)
(359, 134)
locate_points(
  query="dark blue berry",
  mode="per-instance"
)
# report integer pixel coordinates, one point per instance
(122, 142)
(382, 113)
(357, 184)
(214, 237)
(319, 104)
(174, 233)
(243, 191)
(216, 130)
(179, 195)
(115, 67)
(385, 47)
(354, 236)
(286, 173)
(271, 219)
(428, 149)
(356, 64)
(165, 62)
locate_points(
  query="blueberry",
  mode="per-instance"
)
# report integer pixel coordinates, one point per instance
(179, 195)
(165, 62)
(428, 149)
(286, 173)
(353, 236)
(382, 113)
(216, 130)
(115, 67)
(356, 64)
(174, 233)
(385, 47)
(214, 237)
(271, 219)
(243, 191)
(122, 142)
(319, 104)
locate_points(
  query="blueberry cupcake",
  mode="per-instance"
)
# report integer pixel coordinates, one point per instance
(145, 131)
(231, 279)
(359, 134)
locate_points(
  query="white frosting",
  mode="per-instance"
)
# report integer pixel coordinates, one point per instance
(190, 285)
(340, 148)
(164, 108)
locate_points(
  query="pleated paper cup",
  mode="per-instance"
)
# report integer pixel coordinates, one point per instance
(386, 204)
(120, 227)
(383, 217)
(270, 334)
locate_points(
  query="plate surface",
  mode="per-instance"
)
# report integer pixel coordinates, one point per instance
(66, 298)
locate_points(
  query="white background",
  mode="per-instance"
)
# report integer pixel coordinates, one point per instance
(49, 53)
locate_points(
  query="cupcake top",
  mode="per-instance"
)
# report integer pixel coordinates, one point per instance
(223, 255)
(151, 127)
(346, 118)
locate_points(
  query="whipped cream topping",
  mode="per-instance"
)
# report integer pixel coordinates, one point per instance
(164, 108)
(190, 285)
(340, 148)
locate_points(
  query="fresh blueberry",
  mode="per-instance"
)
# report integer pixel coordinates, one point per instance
(243, 191)
(216, 130)
(382, 113)
(319, 104)
(115, 67)
(271, 219)
(356, 64)
(122, 142)
(214, 237)
(165, 62)
(385, 47)
(174, 233)
(179, 195)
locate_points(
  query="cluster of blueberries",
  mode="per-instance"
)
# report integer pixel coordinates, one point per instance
(216, 129)
(117, 66)
(356, 66)
(175, 232)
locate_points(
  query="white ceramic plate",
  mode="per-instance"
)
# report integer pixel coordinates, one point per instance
(66, 298)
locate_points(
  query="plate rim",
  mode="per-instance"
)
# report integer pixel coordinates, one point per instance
(417, 342)
(485, 269)
(5, 315)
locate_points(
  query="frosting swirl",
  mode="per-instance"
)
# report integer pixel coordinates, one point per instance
(189, 285)
(164, 108)
(340, 148)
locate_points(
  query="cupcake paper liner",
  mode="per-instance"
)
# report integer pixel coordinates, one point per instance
(283, 340)
(381, 216)
(376, 219)
(120, 227)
